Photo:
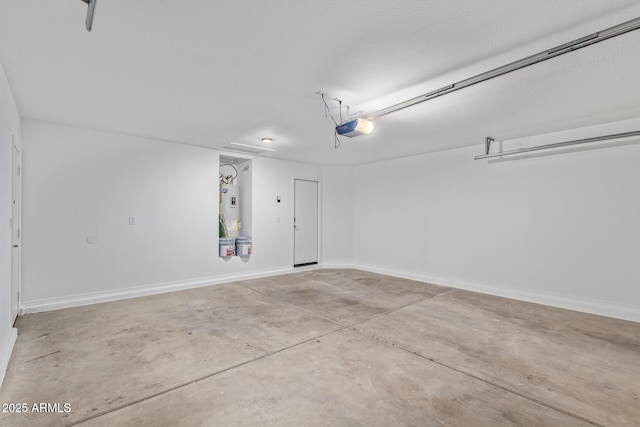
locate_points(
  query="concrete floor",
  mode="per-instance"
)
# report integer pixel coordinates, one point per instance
(325, 347)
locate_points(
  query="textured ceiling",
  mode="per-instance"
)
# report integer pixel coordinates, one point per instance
(207, 73)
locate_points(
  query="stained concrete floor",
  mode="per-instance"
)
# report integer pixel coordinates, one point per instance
(324, 348)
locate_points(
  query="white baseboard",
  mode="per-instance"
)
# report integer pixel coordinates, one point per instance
(6, 348)
(338, 266)
(49, 304)
(569, 302)
(602, 308)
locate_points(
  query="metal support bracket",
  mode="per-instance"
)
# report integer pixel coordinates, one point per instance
(487, 145)
(91, 8)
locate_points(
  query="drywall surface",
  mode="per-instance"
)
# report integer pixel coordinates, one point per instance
(82, 186)
(558, 229)
(337, 216)
(9, 125)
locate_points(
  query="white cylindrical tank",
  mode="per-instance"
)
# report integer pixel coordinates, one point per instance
(230, 208)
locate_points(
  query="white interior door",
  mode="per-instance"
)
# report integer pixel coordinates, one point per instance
(305, 222)
(15, 229)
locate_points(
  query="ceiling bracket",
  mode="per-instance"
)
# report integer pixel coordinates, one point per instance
(91, 7)
(487, 145)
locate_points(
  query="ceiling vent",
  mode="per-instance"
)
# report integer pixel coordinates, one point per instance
(245, 148)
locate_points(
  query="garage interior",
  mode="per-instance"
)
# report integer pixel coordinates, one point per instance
(346, 213)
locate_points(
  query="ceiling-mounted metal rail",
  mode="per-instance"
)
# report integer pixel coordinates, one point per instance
(585, 41)
(488, 155)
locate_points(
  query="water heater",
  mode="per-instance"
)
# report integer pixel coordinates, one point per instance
(230, 208)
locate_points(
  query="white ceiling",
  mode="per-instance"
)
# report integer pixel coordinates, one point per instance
(209, 72)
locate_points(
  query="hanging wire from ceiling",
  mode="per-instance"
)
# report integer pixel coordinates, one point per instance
(327, 114)
(327, 110)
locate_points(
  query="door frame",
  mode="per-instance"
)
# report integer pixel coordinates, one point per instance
(16, 228)
(319, 227)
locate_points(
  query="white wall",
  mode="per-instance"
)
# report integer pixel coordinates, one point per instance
(337, 216)
(9, 124)
(80, 183)
(558, 229)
